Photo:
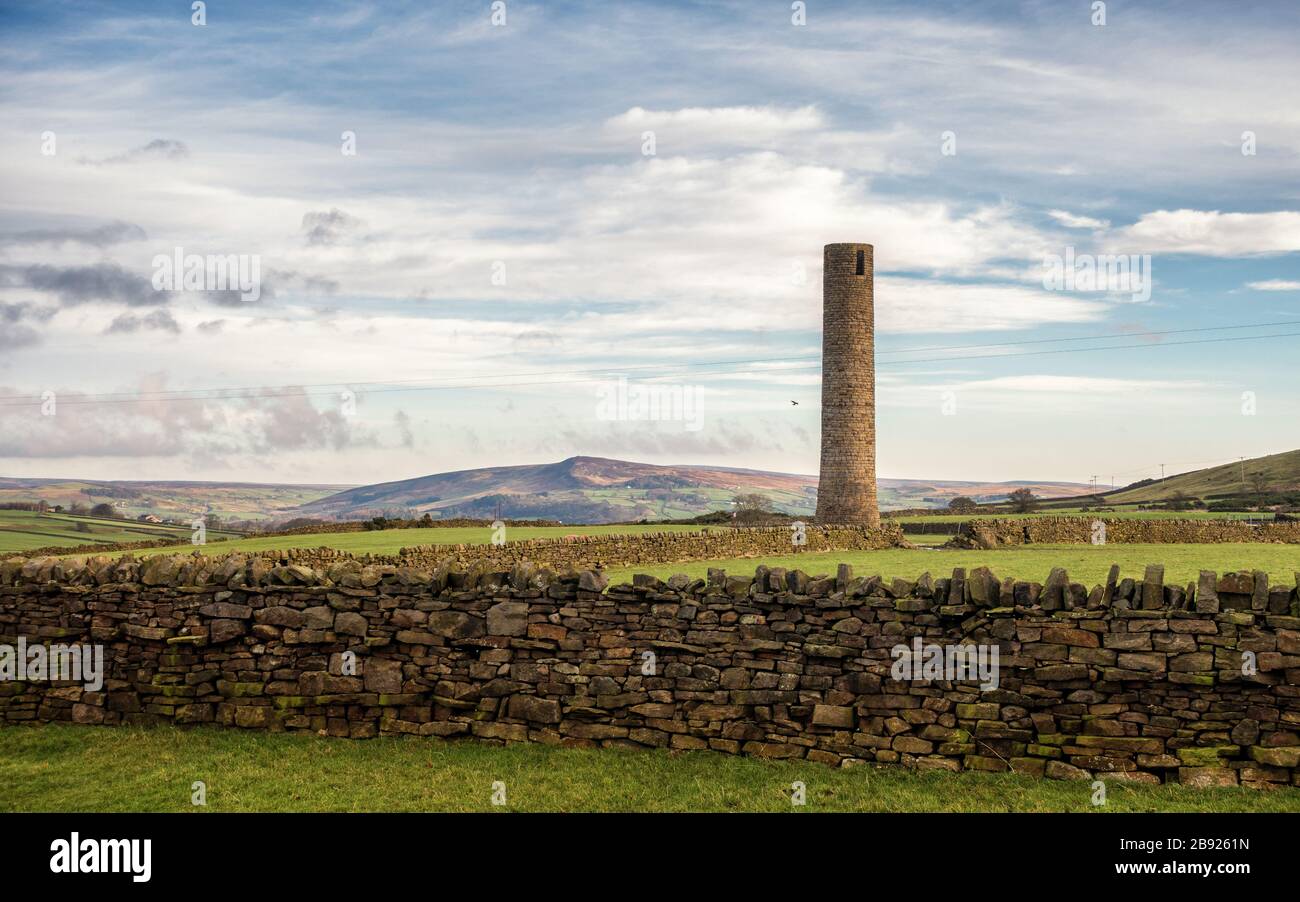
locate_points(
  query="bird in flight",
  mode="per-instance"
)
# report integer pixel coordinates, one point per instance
(795, 403)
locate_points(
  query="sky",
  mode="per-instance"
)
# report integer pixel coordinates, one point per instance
(476, 227)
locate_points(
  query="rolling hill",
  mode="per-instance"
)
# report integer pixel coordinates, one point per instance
(168, 500)
(600, 490)
(1276, 472)
(25, 530)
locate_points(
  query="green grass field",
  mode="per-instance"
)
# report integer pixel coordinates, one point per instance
(25, 530)
(390, 541)
(1085, 563)
(1128, 513)
(68, 768)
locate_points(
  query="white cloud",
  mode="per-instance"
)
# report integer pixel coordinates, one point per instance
(274, 422)
(668, 229)
(692, 126)
(1274, 285)
(686, 256)
(913, 305)
(1073, 221)
(1086, 385)
(1211, 233)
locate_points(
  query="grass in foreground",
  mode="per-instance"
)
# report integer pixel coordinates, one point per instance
(68, 768)
(1087, 564)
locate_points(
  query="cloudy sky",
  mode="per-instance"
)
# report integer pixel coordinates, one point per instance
(466, 231)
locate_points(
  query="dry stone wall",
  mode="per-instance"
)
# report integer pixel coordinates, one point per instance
(622, 550)
(1131, 680)
(592, 551)
(625, 550)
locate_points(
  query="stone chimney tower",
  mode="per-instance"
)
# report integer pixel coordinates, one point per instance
(846, 487)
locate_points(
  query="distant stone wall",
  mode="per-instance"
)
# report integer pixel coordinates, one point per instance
(1131, 680)
(630, 549)
(412, 523)
(107, 547)
(619, 550)
(1125, 530)
(315, 529)
(596, 551)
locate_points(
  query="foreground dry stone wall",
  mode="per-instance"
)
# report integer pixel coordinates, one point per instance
(991, 533)
(1131, 680)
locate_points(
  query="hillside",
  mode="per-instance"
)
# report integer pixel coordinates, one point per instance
(576, 490)
(168, 500)
(600, 490)
(26, 530)
(1279, 472)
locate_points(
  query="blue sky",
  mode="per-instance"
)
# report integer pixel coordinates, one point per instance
(382, 346)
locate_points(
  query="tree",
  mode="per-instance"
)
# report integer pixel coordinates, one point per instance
(103, 510)
(751, 507)
(1259, 482)
(752, 502)
(1022, 501)
(962, 505)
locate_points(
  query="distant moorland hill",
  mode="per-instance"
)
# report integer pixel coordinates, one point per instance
(579, 489)
(601, 490)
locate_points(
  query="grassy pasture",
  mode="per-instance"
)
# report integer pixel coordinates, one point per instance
(1085, 563)
(1278, 471)
(389, 541)
(56, 767)
(1119, 513)
(24, 530)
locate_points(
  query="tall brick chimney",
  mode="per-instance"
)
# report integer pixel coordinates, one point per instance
(846, 486)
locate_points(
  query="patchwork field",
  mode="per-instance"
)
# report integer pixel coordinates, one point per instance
(25, 530)
(228, 500)
(56, 767)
